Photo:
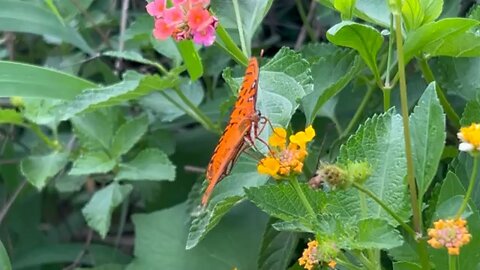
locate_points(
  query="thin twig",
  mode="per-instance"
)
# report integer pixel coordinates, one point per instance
(123, 26)
(303, 31)
(193, 169)
(10, 201)
(82, 253)
(90, 19)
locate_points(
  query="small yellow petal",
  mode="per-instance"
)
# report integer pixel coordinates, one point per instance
(278, 138)
(269, 165)
(310, 133)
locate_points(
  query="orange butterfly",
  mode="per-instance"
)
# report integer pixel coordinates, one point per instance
(243, 121)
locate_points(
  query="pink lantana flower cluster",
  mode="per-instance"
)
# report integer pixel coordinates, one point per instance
(186, 19)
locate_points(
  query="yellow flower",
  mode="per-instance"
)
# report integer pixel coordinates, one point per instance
(309, 256)
(470, 138)
(301, 138)
(316, 254)
(278, 138)
(284, 160)
(450, 233)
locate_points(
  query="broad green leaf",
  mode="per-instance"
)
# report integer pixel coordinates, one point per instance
(39, 84)
(133, 86)
(46, 254)
(68, 8)
(160, 241)
(374, 11)
(281, 201)
(4, 259)
(277, 248)
(70, 183)
(331, 74)
(191, 58)
(168, 106)
(10, 116)
(413, 14)
(92, 162)
(29, 17)
(98, 211)
(251, 12)
(128, 135)
(132, 56)
(95, 129)
(431, 9)
(363, 38)
(106, 267)
(459, 76)
(377, 234)
(469, 257)
(471, 114)
(150, 164)
(53, 8)
(428, 135)
(283, 81)
(406, 266)
(379, 142)
(441, 38)
(39, 169)
(346, 8)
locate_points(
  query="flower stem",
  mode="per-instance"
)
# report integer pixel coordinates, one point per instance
(417, 217)
(386, 98)
(429, 77)
(238, 17)
(294, 182)
(38, 131)
(471, 185)
(304, 17)
(385, 207)
(389, 56)
(452, 262)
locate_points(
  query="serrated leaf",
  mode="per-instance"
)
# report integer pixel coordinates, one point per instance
(98, 211)
(377, 234)
(277, 248)
(92, 162)
(331, 74)
(128, 135)
(160, 240)
(150, 164)
(428, 135)
(281, 201)
(39, 84)
(459, 76)
(39, 169)
(29, 17)
(4, 259)
(95, 129)
(9, 116)
(471, 114)
(365, 39)
(379, 142)
(441, 38)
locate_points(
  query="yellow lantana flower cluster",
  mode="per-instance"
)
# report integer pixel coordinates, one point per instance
(284, 160)
(312, 256)
(450, 233)
(469, 138)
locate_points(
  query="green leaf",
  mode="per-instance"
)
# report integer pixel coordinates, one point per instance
(331, 74)
(471, 114)
(128, 135)
(379, 142)
(160, 240)
(46, 254)
(441, 38)
(431, 9)
(69, 10)
(363, 38)
(39, 84)
(70, 183)
(150, 164)
(374, 11)
(281, 201)
(4, 260)
(95, 129)
(251, 12)
(377, 234)
(106, 267)
(132, 56)
(463, 166)
(406, 266)
(428, 135)
(277, 248)
(92, 162)
(29, 17)
(419, 12)
(10, 116)
(459, 76)
(191, 58)
(98, 211)
(53, 8)
(39, 169)
(346, 8)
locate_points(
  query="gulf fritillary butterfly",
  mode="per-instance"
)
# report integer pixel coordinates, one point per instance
(243, 121)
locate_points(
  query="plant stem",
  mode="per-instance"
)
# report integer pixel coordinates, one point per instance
(230, 47)
(387, 93)
(360, 110)
(429, 77)
(389, 56)
(452, 262)
(471, 185)
(305, 20)
(385, 207)
(196, 112)
(238, 17)
(294, 182)
(417, 218)
(36, 129)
